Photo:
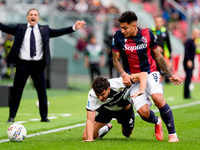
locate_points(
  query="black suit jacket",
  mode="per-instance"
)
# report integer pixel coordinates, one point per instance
(19, 31)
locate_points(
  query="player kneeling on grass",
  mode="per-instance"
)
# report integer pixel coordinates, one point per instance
(111, 99)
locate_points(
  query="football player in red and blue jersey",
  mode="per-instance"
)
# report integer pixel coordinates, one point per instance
(137, 48)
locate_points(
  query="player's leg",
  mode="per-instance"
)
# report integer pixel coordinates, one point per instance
(98, 69)
(155, 88)
(101, 124)
(142, 105)
(92, 72)
(101, 129)
(127, 119)
(149, 116)
(97, 127)
(166, 114)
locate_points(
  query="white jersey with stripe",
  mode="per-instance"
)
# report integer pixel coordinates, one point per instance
(119, 97)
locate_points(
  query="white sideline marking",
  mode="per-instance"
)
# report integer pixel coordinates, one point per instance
(170, 98)
(21, 122)
(56, 130)
(83, 124)
(52, 116)
(66, 115)
(34, 119)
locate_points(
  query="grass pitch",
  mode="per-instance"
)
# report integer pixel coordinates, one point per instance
(67, 108)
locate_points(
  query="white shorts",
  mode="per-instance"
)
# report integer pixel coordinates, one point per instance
(154, 85)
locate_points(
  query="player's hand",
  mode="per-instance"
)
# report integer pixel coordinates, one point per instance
(138, 93)
(189, 64)
(89, 140)
(86, 64)
(102, 63)
(175, 80)
(126, 79)
(79, 24)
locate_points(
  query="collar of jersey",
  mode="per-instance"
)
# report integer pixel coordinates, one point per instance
(112, 93)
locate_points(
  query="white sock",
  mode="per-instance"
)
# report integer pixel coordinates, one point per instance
(103, 130)
(159, 121)
(173, 134)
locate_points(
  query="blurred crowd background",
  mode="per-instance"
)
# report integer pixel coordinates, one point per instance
(180, 17)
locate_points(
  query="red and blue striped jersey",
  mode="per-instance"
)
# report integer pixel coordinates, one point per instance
(135, 52)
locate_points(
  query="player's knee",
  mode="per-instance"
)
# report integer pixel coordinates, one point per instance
(127, 130)
(158, 99)
(144, 111)
(144, 114)
(127, 133)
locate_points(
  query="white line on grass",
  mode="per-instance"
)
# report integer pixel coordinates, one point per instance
(83, 124)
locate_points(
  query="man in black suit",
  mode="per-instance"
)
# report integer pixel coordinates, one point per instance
(30, 53)
(188, 62)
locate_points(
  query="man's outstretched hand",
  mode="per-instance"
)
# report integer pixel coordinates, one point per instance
(175, 80)
(79, 24)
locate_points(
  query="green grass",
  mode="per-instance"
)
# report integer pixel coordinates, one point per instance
(73, 101)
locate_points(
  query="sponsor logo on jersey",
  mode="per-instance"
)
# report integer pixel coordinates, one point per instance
(132, 48)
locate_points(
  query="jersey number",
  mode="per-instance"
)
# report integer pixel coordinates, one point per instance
(155, 76)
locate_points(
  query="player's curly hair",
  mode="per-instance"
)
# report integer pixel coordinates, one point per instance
(99, 84)
(127, 17)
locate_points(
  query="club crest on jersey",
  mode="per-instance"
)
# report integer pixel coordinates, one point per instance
(144, 40)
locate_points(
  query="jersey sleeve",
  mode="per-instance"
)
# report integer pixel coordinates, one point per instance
(168, 43)
(114, 43)
(86, 52)
(93, 103)
(153, 42)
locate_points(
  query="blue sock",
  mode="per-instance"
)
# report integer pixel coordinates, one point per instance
(167, 117)
(152, 118)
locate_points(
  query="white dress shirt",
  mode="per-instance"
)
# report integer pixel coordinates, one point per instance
(25, 48)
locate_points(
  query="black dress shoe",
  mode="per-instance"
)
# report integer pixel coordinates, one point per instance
(45, 120)
(10, 120)
(189, 97)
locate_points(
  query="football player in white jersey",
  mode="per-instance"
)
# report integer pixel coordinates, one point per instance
(111, 99)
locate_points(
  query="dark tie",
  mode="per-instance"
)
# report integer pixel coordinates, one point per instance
(32, 44)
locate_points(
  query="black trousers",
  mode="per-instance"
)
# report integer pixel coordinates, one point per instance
(94, 68)
(188, 78)
(24, 69)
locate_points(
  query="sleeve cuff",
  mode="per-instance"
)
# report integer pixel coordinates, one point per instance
(73, 27)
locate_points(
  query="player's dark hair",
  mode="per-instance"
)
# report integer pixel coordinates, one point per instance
(158, 16)
(32, 9)
(127, 17)
(99, 84)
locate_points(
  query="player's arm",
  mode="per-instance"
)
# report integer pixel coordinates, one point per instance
(160, 61)
(102, 60)
(86, 60)
(89, 129)
(118, 66)
(142, 78)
